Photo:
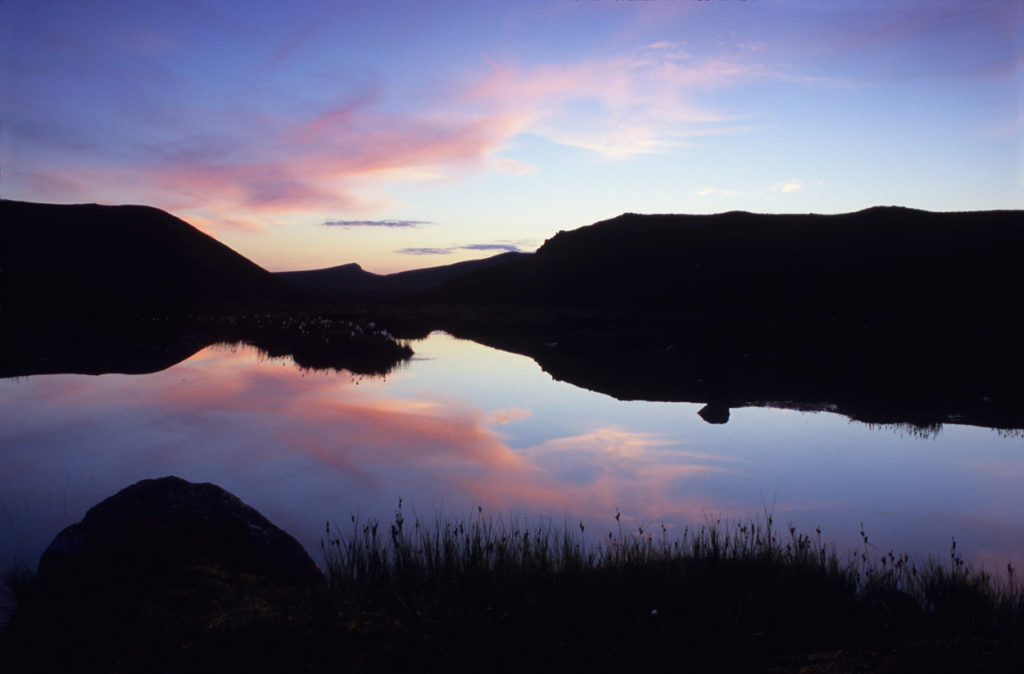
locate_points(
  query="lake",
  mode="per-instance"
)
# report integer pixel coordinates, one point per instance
(462, 426)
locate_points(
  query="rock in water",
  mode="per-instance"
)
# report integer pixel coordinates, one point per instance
(713, 413)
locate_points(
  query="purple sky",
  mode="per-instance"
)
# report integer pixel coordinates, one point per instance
(446, 130)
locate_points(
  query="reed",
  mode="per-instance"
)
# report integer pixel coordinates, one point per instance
(729, 594)
(501, 594)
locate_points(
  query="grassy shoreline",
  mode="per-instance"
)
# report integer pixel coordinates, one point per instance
(727, 596)
(495, 594)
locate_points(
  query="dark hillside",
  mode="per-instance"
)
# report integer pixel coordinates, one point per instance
(423, 279)
(894, 262)
(112, 260)
(351, 283)
(342, 283)
(888, 315)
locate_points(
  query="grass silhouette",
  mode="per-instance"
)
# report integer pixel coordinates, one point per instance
(503, 594)
(482, 593)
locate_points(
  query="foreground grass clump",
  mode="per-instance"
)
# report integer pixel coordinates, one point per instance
(497, 594)
(504, 595)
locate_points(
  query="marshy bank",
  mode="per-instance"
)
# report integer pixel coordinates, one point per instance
(499, 594)
(491, 593)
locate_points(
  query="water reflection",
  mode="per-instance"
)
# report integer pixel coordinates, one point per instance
(881, 381)
(313, 341)
(463, 426)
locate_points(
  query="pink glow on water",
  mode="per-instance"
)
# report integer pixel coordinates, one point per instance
(466, 426)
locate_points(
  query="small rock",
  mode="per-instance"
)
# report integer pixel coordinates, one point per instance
(714, 413)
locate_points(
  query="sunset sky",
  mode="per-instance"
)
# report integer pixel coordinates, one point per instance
(406, 134)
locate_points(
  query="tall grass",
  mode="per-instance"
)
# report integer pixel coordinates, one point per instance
(488, 593)
(725, 592)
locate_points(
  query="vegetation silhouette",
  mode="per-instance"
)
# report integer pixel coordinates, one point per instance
(173, 576)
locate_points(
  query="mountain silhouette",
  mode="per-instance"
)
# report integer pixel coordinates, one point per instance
(351, 283)
(889, 261)
(888, 315)
(112, 260)
(92, 289)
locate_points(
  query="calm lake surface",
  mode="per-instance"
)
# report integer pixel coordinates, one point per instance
(463, 426)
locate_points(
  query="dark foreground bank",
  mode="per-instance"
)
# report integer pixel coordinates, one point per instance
(171, 576)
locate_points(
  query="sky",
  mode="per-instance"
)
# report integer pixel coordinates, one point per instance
(408, 134)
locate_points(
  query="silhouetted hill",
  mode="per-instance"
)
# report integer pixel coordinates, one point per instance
(351, 283)
(344, 282)
(892, 261)
(889, 315)
(109, 260)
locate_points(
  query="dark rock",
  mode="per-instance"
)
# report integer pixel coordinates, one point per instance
(158, 526)
(714, 413)
(171, 576)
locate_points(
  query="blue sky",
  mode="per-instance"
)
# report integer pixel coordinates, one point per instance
(484, 126)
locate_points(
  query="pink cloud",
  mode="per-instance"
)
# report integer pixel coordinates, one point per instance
(249, 168)
(646, 102)
(312, 166)
(57, 186)
(324, 161)
(508, 416)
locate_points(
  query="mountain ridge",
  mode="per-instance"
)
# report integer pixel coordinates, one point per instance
(90, 258)
(351, 283)
(888, 314)
(886, 259)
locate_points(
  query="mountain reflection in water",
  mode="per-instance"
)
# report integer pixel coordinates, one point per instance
(881, 377)
(149, 344)
(463, 425)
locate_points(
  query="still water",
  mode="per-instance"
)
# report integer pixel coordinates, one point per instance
(463, 426)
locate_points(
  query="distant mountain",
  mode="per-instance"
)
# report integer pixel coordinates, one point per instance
(888, 315)
(344, 282)
(108, 260)
(351, 283)
(893, 261)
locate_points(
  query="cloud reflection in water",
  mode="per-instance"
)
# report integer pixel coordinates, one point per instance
(466, 426)
(303, 448)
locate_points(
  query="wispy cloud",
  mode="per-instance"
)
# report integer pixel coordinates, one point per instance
(507, 247)
(232, 161)
(666, 49)
(786, 186)
(387, 224)
(617, 107)
(507, 416)
(513, 166)
(426, 251)
(715, 190)
(510, 247)
(783, 186)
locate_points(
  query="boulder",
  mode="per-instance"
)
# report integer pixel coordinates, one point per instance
(171, 576)
(714, 413)
(168, 524)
